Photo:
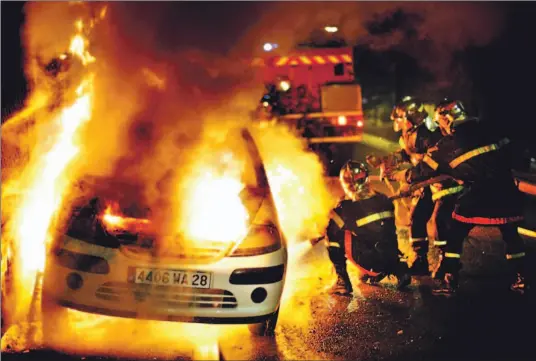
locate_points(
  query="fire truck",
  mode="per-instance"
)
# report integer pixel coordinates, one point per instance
(313, 89)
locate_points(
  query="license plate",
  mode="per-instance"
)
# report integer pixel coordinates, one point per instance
(165, 277)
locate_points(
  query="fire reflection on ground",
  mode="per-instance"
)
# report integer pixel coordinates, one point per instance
(304, 300)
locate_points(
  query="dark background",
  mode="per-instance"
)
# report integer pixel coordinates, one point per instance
(497, 82)
(13, 81)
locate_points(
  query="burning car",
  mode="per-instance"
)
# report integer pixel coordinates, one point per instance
(225, 264)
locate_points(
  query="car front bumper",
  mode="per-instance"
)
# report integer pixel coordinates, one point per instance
(113, 294)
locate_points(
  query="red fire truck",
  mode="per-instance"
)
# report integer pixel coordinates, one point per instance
(314, 87)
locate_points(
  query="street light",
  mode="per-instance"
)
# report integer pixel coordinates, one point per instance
(331, 29)
(269, 46)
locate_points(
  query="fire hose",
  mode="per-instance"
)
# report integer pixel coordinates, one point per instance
(420, 185)
(317, 240)
(391, 188)
(408, 193)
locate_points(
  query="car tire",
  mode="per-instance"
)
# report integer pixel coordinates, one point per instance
(265, 328)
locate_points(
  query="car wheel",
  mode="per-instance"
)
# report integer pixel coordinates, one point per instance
(266, 328)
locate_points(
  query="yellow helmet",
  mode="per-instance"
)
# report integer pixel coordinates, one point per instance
(410, 110)
(448, 113)
(354, 177)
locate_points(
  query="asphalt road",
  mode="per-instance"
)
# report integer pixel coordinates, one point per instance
(484, 322)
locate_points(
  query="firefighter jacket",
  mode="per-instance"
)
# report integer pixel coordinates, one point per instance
(415, 142)
(366, 229)
(414, 145)
(476, 158)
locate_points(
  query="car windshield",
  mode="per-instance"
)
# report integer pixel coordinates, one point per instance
(122, 208)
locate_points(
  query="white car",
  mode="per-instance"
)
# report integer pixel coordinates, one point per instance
(116, 273)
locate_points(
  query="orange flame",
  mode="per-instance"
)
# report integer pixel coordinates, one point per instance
(44, 197)
(113, 220)
(44, 182)
(213, 209)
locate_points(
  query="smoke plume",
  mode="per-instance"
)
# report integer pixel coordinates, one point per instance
(429, 31)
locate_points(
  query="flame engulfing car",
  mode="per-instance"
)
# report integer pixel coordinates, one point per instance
(112, 260)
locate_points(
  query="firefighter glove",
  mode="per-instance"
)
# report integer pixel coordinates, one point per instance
(399, 176)
(373, 161)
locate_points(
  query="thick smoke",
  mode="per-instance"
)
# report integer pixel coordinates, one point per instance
(166, 72)
(154, 94)
(429, 31)
(207, 45)
(202, 51)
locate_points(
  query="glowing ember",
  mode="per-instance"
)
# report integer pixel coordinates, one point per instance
(213, 209)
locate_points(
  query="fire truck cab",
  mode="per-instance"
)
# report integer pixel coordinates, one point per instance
(313, 88)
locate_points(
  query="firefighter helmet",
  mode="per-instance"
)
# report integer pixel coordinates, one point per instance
(448, 114)
(354, 177)
(408, 113)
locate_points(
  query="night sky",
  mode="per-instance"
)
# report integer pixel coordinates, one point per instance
(13, 81)
(502, 73)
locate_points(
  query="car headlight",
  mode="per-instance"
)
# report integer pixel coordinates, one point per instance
(82, 262)
(261, 239)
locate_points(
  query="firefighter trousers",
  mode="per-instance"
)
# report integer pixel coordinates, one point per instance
(396, 265)
(421, 213)
(337, 253)
(515, 246)
(443, 219)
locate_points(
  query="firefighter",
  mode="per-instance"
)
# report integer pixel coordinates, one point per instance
(362, 228)
(444, 196)
(473, 155)
(418, 133)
